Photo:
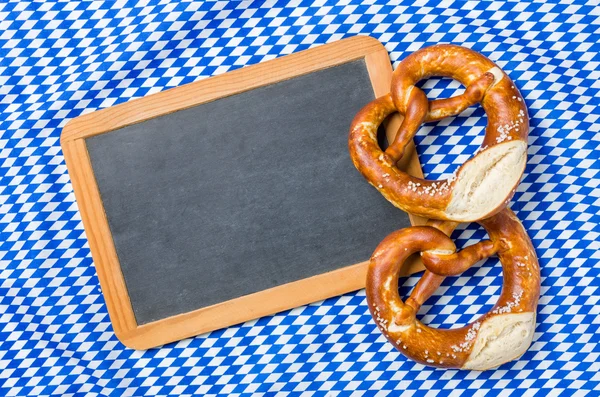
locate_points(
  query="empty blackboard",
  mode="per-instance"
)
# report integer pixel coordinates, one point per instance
(250, 191)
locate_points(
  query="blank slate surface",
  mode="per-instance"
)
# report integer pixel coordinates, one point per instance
(240, 194)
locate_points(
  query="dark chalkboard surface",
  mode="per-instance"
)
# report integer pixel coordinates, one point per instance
(233, 197)
(240, 194)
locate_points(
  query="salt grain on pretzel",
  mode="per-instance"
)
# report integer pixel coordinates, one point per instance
(501, 335)
(484, 184)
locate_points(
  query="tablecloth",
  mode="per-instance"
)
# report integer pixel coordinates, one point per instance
(61, 59)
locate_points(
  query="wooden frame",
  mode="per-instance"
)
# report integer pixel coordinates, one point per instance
(251, 306)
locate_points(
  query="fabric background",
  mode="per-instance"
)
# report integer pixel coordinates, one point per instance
(61, 59)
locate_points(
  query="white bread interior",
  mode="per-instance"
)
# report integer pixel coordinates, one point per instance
(498, 75)
(500, 339)
(484, 183)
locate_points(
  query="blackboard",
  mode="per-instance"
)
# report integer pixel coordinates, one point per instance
(240, 194)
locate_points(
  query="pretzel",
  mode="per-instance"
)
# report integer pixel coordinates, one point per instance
(484, 184)
(499, 336)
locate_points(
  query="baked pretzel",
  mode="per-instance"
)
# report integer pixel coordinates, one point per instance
(499, 336)
(484, 184)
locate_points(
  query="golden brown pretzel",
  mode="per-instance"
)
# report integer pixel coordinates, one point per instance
(501, 335)
(484, 184)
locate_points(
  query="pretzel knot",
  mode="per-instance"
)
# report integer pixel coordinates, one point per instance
(484, 184)
(501, 335)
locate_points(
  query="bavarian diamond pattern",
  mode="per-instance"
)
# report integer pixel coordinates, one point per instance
(60, 59)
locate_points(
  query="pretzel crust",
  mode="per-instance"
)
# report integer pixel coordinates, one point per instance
(508, 327)
(484, 184)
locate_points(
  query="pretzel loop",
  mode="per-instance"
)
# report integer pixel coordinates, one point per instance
(439, 264)
(502, 334)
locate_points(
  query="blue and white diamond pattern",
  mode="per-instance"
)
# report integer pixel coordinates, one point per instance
(60, 59)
